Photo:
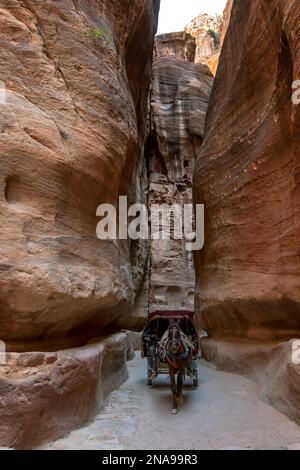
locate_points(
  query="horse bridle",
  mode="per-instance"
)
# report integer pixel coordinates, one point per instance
(178, 340)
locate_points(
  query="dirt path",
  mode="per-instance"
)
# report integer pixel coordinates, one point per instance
(225, 412)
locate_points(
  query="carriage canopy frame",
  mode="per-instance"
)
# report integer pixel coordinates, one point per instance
(158, 322)
(156, 326)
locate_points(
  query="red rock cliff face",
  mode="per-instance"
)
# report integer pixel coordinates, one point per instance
(181, 45)
(180, 95)
(205, 29)
(248, 174)
(226, 20)
(72, 129)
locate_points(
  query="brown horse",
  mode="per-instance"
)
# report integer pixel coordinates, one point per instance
(176, 350)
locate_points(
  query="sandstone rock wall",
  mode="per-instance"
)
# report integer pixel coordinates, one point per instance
(274, 366)
(281, 384)
(181, 45)
(206, 31)
(213, 61)
(43, 396)
(209, 33)
(225, 21)
(77, 77)
(247, 175)
(180, 94)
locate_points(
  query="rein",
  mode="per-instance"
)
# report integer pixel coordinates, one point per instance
(170, 361)
(168, 353)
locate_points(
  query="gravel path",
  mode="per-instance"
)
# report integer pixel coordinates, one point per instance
(225, 412)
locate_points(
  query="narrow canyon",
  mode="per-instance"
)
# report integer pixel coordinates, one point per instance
(98, 107)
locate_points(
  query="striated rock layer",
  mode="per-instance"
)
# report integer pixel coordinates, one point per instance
(213, 61)
(181, 45)
(247, 175)
(225, 21)
(206, 31)
(46, 395)
(180, 94)
(77, 76)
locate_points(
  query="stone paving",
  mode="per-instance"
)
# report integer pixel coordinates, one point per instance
(225, 412)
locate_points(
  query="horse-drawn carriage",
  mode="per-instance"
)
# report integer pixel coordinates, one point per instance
(154, 336)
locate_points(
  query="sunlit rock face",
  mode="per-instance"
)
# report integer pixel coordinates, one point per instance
(77, 76)
(247, 175)
(213, 62)
(225, 20)
(206, 31)
(180, 94)
(181, 45)
(209, 33)
(44, 396)
(275, 366)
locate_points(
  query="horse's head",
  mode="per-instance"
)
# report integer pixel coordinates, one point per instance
(175, 343)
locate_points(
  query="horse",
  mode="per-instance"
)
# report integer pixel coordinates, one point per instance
(176, 350)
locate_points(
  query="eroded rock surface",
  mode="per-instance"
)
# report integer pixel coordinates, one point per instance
(213, 61)
(209, 33)
(225, 21)
(281, 386)
(275, 367)
(180, 94)
(77, 76)
(46, 395)
(247, 175)
(181, 45)
(239, 357)
(206, 31)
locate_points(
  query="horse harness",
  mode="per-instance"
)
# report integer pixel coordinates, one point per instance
(164, 345)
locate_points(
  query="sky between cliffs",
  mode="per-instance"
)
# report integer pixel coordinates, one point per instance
(175, 14)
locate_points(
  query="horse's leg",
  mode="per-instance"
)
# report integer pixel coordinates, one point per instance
(174, 389)
(179, 387)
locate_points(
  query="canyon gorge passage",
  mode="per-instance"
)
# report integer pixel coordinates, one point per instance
(96, 107)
